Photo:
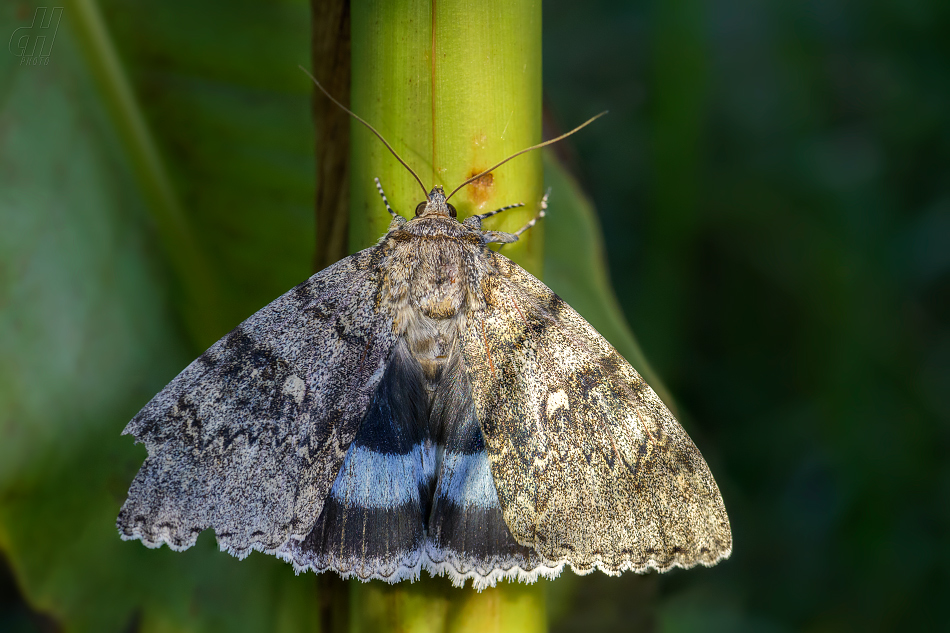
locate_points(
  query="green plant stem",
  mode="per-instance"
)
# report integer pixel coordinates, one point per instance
(432, 605)
(455, 87)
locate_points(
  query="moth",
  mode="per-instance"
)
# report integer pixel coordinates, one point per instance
(424, 403)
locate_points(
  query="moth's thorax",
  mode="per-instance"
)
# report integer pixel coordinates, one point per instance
(433, 267)
(433, 279)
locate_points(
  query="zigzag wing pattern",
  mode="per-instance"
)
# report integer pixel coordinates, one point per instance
(250, 437)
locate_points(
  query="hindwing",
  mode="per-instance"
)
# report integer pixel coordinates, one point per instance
(373, 522)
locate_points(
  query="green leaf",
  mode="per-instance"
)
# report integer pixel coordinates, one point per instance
(92, 319)
(575, 267)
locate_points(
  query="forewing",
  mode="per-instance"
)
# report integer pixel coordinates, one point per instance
(590, 466)
(249, 438)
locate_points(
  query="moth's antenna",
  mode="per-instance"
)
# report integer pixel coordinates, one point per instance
(380, 136)
(538, 146)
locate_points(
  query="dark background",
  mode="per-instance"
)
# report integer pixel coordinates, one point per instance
(773, 182)
(774, 186)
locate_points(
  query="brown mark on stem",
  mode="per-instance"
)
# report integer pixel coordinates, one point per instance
(481, 188)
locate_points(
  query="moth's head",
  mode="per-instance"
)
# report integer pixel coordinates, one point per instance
(435, 204)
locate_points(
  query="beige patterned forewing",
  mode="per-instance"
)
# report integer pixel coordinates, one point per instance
(590, 466)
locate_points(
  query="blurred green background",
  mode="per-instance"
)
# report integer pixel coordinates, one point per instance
(773, 185)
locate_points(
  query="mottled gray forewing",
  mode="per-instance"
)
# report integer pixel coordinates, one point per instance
(249, 438)
(590, 466)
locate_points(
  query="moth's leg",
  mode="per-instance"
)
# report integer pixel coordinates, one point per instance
(482, 216)
(498, 236)
(541, 214)
(508, 238)
(475, 221)
(379, 187)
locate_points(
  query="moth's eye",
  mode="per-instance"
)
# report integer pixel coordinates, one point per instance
(420, 208)
(452, 211)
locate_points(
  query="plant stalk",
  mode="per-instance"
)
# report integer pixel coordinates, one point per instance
(454, 87)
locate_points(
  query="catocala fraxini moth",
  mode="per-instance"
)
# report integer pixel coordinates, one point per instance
(424, 403)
